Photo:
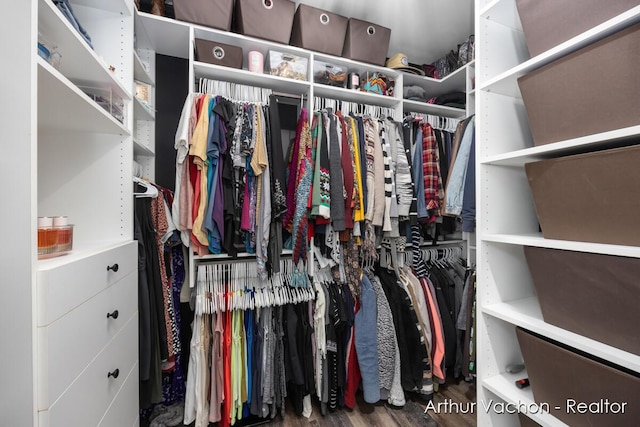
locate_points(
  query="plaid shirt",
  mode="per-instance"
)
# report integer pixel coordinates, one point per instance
(433, 189)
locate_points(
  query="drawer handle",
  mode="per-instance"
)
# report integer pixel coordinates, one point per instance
(114, 314)
(113, 267)
(114, 374)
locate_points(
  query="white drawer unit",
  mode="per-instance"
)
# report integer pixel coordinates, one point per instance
(124, 408)
(62, 287)
(69, 344)
(89, 397)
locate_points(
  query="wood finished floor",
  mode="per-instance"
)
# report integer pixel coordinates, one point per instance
(384, 415)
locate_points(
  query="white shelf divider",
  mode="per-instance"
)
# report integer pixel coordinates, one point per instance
(141, 112)
(504, 387)
(506, 83)
(142, 150)
(276, 83)
(595, 141)
(63, 106)
(536, 239)
(526, 313)
(79, 62)
(326, 91)
(425, 108)
(140, 73)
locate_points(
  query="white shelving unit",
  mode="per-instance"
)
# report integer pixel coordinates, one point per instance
(144, 70)
(69, 156)
(506, 220)
(174, 38)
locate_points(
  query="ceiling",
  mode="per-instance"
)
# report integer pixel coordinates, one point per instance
(424, 30)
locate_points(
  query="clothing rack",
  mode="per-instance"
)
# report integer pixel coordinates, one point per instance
(234, 91)
(236, 286)
(320, 103)
(437, 122)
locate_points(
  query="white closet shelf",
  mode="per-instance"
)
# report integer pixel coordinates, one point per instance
(453, 82)
(142, 150)
(141, 112)
(504, 387)
(79, 62)
(140, 73)
(239, 256)
(80, 251)
(504, 12)
(348, 95)
(121, 7)
(526, 313)
(162, 35)
(245, 42)
(244, 77)
(507, 82)
(425, 108)
(596, 141)
(536, 239)
(63, 106)
(354, 66)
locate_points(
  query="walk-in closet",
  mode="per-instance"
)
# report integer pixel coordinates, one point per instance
(319, 213)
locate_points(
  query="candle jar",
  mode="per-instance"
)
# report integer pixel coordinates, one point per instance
(47, 237)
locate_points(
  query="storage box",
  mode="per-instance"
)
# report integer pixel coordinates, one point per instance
(563, 377)
(265, 19)
(574, 96)
(547, 23)
(329, 74)
(366, 42)
(526, 421)
(287, 65)
(591, 197)
(593, 295)
(210, 13)
(217, 53)
(318, 30)
(106, 99)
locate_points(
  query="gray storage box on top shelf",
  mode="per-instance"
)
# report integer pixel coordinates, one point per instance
(210, 13)
(592, 90)
(265, 19)
(216, 53)
(319, 30)
(366, 42)
(562, 377)
(593, 295)
(548, 23)
(592, 197)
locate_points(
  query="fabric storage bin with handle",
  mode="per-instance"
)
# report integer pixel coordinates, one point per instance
(548, 23)
(590, 197)
(265, 19)
(576, 288)
(571, 97)
(316, 29)
(216, 53)
(210, 13)
(563, 377)
(366, 42)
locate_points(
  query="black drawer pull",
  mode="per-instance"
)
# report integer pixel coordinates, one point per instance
(114, 374)
(113, 267)
(114, 314)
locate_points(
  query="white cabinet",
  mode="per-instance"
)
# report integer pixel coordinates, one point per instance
(144, 61)
(507, 219)
(69, 131)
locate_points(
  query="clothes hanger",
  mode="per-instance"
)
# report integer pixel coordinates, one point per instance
(150, 190)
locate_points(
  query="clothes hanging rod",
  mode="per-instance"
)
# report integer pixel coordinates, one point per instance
(240, 257)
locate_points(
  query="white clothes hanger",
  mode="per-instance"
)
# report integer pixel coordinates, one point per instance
(150, 190)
